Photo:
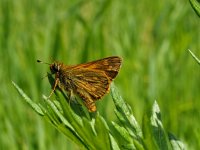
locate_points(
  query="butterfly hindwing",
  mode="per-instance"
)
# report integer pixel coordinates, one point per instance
(96, 84)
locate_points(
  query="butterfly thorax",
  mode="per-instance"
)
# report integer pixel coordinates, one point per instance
(63, 75)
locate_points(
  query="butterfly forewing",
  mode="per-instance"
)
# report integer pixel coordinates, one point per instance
(110, 66)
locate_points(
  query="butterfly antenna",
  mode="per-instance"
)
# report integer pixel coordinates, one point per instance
(39, 61)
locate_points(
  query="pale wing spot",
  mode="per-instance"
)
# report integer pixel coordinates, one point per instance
(110, 67)
(93, 89)
(95, 78)
(105, 63)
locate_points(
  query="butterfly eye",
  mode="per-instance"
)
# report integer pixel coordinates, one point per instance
(54, 68)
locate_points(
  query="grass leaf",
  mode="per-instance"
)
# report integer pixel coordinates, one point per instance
(35, 106)
(196, 6)
(91, 131)
(195, 57)
(157, 127)
(124, 110)
(176, 144)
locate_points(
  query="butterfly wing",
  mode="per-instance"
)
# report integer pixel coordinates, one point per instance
(90, 86)
(91, 81)
(96, 84)
(110, 66)
(95, 77)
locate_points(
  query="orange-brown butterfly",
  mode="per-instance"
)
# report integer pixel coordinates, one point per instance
(90, 81)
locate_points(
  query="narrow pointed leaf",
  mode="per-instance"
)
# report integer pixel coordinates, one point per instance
(35, 106)
(157, 127)
(125, 111)
(102, 132)
(194, 56)
(175, 143)
(123, 132)
(196, 6)
(114, 144)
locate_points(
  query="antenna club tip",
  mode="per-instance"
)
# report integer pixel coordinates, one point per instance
(39, 61)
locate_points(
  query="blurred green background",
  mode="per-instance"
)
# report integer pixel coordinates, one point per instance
(152, 37)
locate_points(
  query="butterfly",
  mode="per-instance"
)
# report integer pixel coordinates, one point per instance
(90, 81)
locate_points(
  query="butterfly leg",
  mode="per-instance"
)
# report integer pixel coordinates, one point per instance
(54, 86)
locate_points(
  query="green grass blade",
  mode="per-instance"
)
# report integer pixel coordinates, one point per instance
(194, 56)
(114, 143)
(58, 114)
(157, 127)
(125, 111)
(148, 137)
(123, 132)
(102, 132)
(33, 105)
(90, 131)
(196, 6)
(93, 132)
(175, 143)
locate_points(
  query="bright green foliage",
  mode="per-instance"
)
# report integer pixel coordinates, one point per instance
(94, 133)
(88, 133)
(152, 37)
(195, 57)
(196, 6)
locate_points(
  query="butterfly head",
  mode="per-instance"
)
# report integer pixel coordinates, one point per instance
(55, 67)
